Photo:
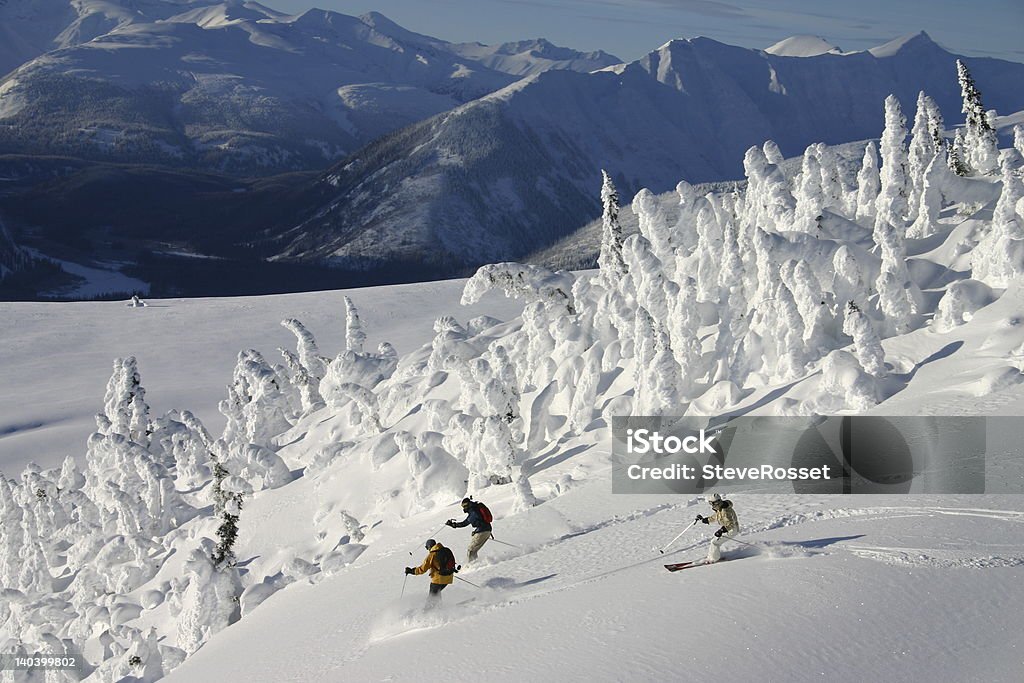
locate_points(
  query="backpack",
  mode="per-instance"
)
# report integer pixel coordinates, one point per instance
(444, 561)
(485, 514)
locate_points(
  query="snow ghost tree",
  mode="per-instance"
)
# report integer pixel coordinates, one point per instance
(355, 337)
(125, 404)
(999, 257)
(891, 204)
(610, 258)
(210, 600)
(925, 145)
(772, 152)
(866, 344)
(980, 151)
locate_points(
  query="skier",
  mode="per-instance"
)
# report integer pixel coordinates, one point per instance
(440, 562)
(725, 516)
(480, 517)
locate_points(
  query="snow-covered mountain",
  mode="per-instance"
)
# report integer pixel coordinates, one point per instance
(29, 28)
(534, 149)
(528, 57)
(236, 86)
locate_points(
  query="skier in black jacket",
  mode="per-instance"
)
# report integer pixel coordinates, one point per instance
(481, 527)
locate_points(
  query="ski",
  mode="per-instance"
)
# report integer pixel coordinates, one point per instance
(688, 565)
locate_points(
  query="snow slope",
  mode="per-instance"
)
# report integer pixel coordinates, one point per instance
(185, 347)
(687, 110)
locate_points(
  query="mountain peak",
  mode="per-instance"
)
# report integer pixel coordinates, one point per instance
(911, 40)
(802, 46)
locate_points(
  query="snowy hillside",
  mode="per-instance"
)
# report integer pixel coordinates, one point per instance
(688, 110)
(274, 548)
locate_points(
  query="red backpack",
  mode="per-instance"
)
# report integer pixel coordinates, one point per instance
(484, 512)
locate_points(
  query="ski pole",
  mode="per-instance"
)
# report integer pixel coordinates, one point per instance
(662, 550)
(403, 587)
(434, 534)
(469, 582)
(510, 545)
(743, 542)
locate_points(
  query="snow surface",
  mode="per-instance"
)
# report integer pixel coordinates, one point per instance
(60, 353)
(802, 46)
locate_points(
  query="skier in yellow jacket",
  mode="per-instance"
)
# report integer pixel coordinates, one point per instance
(725, 517)
(440, 562)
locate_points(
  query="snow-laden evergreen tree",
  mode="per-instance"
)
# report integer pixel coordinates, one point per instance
(355, 337)
(527, 282)
(980, 151)
(1018, 139)
(12, 538)
(925, 145)
(210, 599)
(949, 314)
(998, 259)
(768, 201)
(313, 365)
(868, 183)
(846, 385)
(891, 204)
(866, 344)
(709, 253)
(256, 408)
(956, 154)
(654, 226)
(832, 190)
(124, 404)
(772, 152)
(610, 259)
(810, 200)
(929, 201)
(848, 279)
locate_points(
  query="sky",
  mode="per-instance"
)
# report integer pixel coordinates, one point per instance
(632, 28)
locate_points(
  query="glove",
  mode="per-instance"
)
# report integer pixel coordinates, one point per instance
(703, 519)
(451, 523)
(721, 532)
(410, 570)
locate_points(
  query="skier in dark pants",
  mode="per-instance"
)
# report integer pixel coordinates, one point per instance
(478, 515)
(438, 581)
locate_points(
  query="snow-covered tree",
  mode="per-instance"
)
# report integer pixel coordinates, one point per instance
(999, 257)
(312, 362)
(210, 600)
(520, 281)
(610, 259)
(956, 154)
(866, 344)
(892, 197)
(772, 152)
(980, 146)
(810, 200)
(355, 337)
(925, 145)
(868, 183)
(124, 404)
(929, 201)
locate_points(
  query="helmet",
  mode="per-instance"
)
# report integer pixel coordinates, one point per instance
(466, 502)
(716, 501)
(430, 543)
